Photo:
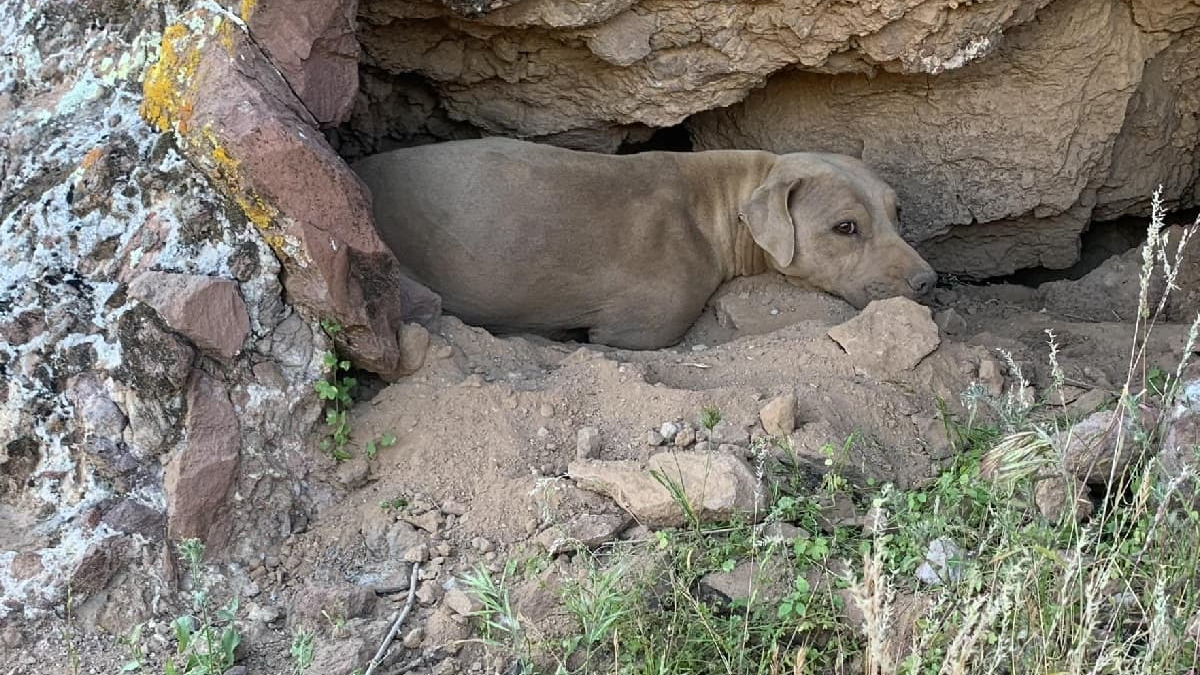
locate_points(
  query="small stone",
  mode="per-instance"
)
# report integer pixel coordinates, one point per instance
(482, 545)
(699, 348)
(992, 376)
(546, 410)
(778, 416)
(943, 563)
(430, 521)
(654, 438)
(1056, 496)
(11, 637)
(668, 431)
(443, 352)
(353, 473)
(730, 449)
(454, 508)
(271, 562)
(543, 432)
(428, 593)
(462, 602)
(412, 639)
(685, 437)
(587, 443)
(950, 322)
(726, 432)
(888, 336)
(702, 447)
(1087, 403)
(582, 532)
(417, 554)
(784, 532)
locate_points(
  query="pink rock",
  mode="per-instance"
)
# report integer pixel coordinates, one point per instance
(312, 42)
(201, 476)
(238, 119)
(206, 310)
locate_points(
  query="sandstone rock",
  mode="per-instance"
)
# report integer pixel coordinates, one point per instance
(462, 602)
(717, 486)
(587, 443)
(442, 630)
(751, 581)
(313, 45)
(1181, 437)
(685, 437)
(414, 345)
(98, 565)
(1056, 497)
(134, 517)
(353, 473)
(413, 638)
(728, 433)
(338, 600)
(888, 336)
(206, 310)
(584, 531)
(237, 118)
(430, 521)
(342, 656)
(26, 566)
(428, 593)
(1100, 445)
(200, 477)
(778, 416)
(543, 68)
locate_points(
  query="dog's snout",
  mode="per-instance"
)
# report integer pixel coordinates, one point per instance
(922, 281)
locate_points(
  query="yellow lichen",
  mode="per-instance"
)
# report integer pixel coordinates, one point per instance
(167, 91)
(92, 157)
(248, 9)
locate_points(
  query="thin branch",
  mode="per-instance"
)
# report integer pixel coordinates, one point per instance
(391, 636)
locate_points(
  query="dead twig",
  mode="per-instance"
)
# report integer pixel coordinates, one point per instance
(391, 636)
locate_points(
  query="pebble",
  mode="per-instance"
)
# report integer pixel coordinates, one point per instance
(454, 508)
(444, 550)
(271, 562)
(428, 593)
(482, 545)
(417, 554)
(654, 438)
(543, 432)
(587, 443)
(668, 431)
(774, 312)
(414, 637)
(11, 637)
(699, 348)
(685, 437)
(546, 410)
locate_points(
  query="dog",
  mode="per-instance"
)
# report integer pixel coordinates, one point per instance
(521, 237)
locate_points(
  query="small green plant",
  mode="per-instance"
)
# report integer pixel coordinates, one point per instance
(301, 650)
(335, 391)
(386, 440)
(337, 624)
(132, 642)
(68, 632)
(710, 417)
(202, 646)
(394, 504)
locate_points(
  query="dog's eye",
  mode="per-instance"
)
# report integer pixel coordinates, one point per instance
(846, 227)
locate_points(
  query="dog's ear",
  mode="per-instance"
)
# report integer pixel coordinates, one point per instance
(767, 215)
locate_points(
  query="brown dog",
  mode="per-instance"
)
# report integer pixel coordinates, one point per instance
(523, 237)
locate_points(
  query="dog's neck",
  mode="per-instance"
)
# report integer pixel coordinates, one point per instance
(748, 257)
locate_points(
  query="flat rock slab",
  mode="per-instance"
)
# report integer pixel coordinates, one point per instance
(888, 336)
(716, 485)
(209, 311)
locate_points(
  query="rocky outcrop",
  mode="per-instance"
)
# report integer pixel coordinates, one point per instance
(1006, 127)
(151, 373)
(546, 67)
(237, 118)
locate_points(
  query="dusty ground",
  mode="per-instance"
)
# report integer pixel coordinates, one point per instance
(487, 428)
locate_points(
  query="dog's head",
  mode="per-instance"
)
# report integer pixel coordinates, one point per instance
(828, 222)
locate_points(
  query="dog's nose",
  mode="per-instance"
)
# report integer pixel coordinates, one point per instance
(922, 282)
